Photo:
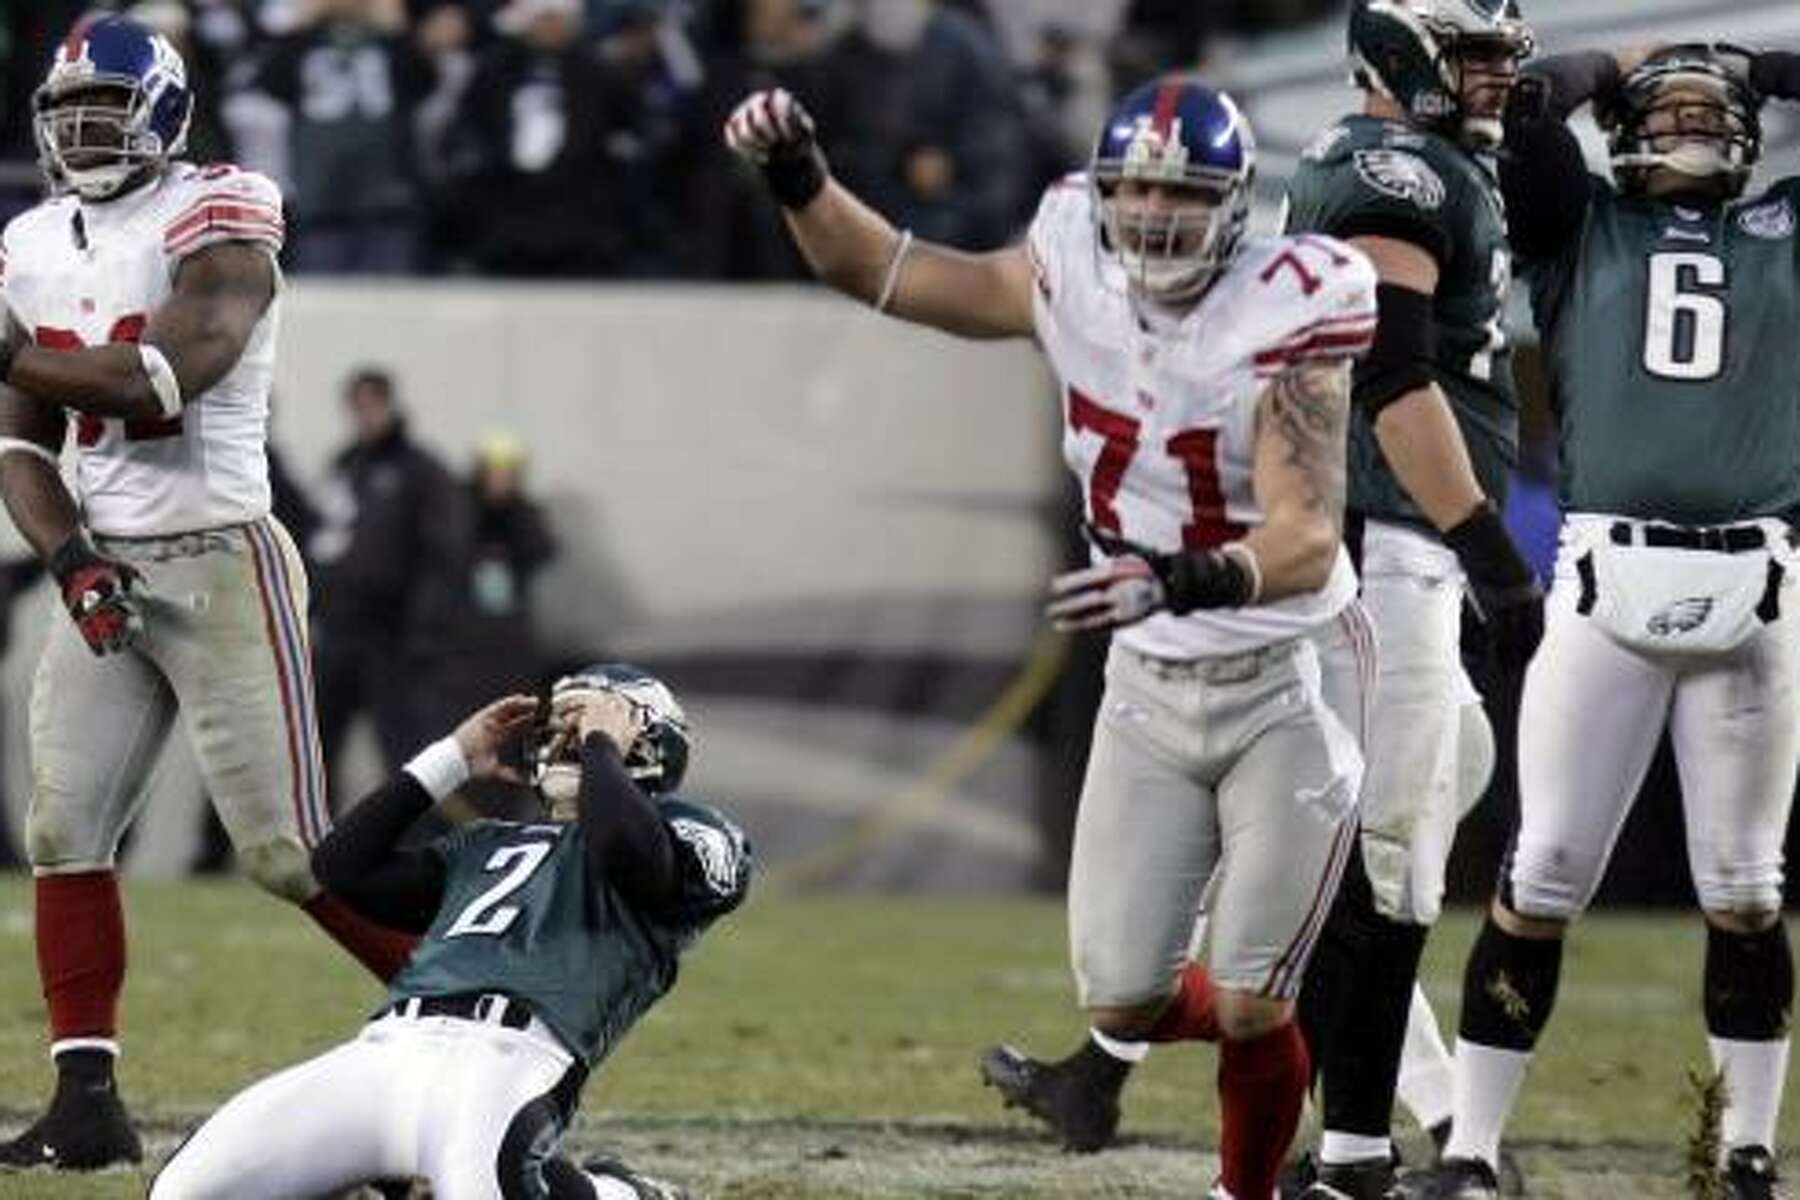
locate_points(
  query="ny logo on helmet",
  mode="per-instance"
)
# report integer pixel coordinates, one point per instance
(1156, 153)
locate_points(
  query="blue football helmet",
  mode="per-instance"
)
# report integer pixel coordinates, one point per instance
(658, 759)
(114, 108)
(1179, 133)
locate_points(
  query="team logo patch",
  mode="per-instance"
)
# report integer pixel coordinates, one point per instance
(1683, 616)
(1773, 221)
(714, 849)
(1402, 176)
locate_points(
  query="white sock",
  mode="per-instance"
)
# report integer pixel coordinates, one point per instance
(1340, 1148)
(1131, 1052)
(1487, 1084)
(611, 1189)
(1427, 1080)
(1754, 1073)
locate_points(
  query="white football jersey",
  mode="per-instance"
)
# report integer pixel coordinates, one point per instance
(1159, 424)
(82, 274)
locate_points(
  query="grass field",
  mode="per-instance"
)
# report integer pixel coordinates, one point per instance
(826, 1048)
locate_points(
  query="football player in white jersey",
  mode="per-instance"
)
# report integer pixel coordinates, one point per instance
(141, 305)
(1205, 386)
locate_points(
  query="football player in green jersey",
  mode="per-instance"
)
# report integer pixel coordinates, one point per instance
(543, 944)
(1667, 301)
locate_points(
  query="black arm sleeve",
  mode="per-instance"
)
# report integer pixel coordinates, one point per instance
(359, 861)
(627, 842)
(1776, 74)
(1574, 79)
(1543, 176)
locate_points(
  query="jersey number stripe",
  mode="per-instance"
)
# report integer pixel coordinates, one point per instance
(1684, 317)
(1197, 450)
(88, 428)
(485, 914)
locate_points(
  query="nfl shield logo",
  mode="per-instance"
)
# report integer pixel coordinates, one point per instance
(1772, 222)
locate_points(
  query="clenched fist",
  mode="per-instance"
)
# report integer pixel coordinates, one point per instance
(774, 132)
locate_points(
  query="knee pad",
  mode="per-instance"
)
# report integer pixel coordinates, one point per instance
(1547, 882)
(1749, 983)
(281, 867)
(62, 835)
(1474, 758)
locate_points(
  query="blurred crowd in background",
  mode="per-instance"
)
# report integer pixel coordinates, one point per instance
(580, 138)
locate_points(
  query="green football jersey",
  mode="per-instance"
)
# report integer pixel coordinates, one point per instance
(522, 914)
(1368, 177)
(1672, 339)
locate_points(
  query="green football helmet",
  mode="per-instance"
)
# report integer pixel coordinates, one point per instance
(1413, 52)
(1703, 93)
(656, 760)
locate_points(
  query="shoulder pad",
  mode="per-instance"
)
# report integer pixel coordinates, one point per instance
(1319, 297)
(1402, 175)
(222, 203)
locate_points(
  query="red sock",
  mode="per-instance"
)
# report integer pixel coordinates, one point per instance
(1262, 1085)
(382, 950)
(1193, 1015)
(81, 952)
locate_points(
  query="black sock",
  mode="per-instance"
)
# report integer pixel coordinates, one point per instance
(91, 1069)
(1749, 984)
(1509, 988)
(1105, 1070)
(1365, 982)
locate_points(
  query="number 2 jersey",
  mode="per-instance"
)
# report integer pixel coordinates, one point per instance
(522, 914)
(77, 274)
(1672, 338)
(1160, 410)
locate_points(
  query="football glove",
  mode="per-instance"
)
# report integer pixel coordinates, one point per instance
(774, 132)
(97, 592)
(1503, 588)
(1136, 581)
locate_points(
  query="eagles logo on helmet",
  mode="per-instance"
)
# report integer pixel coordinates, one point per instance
(1689, 109)
(1179, 137)
(1416, 53)
(113, 109)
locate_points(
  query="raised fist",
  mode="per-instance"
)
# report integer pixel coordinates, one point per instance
(774, 132)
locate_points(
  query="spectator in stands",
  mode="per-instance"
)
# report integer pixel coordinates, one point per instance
(1064, 101)
(1164, 35)
(960, 173)
(530, 176)
(350, 79)
(390, 551)
(495, 643)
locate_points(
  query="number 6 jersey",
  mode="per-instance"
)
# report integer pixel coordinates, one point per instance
(1160, 409)
(80, 274)
(1672, 337)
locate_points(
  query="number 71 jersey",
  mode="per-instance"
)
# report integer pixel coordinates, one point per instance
(1672, 338)
(78, 274)
(1160, 409)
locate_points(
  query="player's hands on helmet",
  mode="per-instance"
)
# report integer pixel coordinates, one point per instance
(486, 732)
(97, 592)
(578, 711)
(772, 130)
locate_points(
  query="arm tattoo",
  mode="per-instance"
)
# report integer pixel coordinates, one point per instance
(1309, 406)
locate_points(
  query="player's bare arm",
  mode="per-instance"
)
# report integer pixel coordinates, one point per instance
(1302, 432)
(1417, 431)
(192, 342)
(857, 251)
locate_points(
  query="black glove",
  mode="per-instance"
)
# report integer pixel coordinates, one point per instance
(774, 131)
(1502, 586)
(97, 592)
(1189, 579)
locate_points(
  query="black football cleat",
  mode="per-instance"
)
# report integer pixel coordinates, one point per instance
(1372, 1180)
(647, 1188)
(1077, 1097)
(85, 1129)
(1452, 1179)
(1510, 1174)
(1750, 1174)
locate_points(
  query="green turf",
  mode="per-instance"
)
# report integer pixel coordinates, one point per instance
(826, 1047)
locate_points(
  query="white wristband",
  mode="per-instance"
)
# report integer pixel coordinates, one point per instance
(10, 444)
(891, 284)
(162, 379)
(440, 767)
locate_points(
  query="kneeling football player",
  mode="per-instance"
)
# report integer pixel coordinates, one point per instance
(542, 944)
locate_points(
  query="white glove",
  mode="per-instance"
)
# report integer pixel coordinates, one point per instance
(770, 124)
(1120, 591)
